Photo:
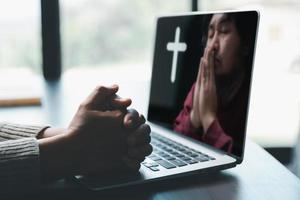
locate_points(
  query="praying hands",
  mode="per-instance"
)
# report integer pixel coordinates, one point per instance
(103, 137)
(205, 104)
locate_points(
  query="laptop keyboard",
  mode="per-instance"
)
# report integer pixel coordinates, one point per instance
(170, 154)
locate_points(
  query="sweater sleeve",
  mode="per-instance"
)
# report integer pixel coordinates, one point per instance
(216, 137)
(10, 131)
(182, 123)
(19, 166)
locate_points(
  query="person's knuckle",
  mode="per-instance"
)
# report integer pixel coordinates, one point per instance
(114, 115)
(133, 114)
(146, 129)
(148, 140)
(118, 114)
(83, 105)
(100, 88)
(145, 139)
(133, 111)
(142, 159)
(128, 116)
(148, 149)
(142, 118)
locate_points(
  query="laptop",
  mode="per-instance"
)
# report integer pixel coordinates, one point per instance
(198, 107)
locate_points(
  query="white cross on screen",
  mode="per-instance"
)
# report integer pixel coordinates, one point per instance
(176, 47)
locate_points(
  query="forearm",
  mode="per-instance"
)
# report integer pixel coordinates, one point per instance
(207, 121)
(50, 132)
(194, 119)
(54, 154)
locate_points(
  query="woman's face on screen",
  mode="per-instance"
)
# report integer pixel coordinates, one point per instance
(224, 37)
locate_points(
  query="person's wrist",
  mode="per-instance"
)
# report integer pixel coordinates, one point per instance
(208, 120)
(194, 121)
(50, 132)
(55, 157)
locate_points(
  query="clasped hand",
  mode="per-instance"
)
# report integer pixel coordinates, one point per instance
(103, 137)
(205, 104)
(107, 135)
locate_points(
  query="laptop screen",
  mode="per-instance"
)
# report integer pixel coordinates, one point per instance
(201, 76)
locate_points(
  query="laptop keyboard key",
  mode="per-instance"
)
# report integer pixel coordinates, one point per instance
(212, 158)
(169, 150)
(185, 151)
(174, 153)
(146, 164)
(165, 164)
(191, 161)
(185, 158)
(178, 163)
(155, 169)
(162, 154)
(170, 158)
(167, 157)
(154, 157)
(202, 158)
(155, 150)
(193, 155)
(180, 156)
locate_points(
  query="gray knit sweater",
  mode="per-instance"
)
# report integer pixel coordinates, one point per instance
(19, 158)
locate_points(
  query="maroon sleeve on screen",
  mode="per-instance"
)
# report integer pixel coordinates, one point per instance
(216, 137)
(182, 123)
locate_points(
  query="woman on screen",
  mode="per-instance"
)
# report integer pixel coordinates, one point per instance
(215, 109)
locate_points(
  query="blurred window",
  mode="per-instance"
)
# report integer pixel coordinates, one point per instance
(111, 33)
(20, 40)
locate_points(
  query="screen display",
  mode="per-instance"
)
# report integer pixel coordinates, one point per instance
(201, 76)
